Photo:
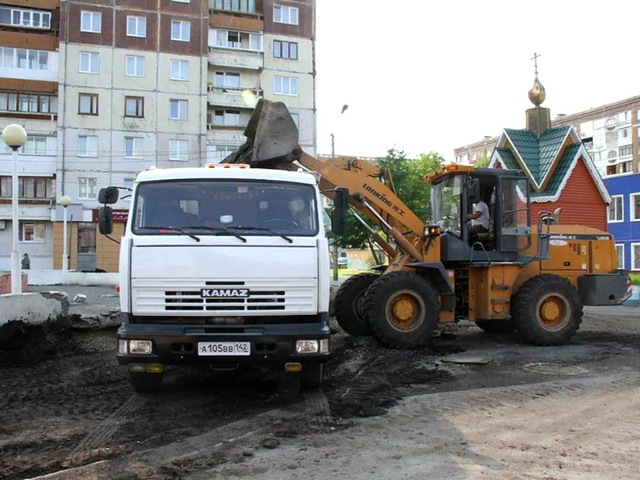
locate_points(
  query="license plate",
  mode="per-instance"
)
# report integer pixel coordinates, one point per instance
(224, 349)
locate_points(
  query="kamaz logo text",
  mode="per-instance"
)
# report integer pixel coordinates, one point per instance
(224, 292)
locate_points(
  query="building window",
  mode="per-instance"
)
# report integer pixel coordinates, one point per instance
(23, 58)
(635, 256)
(88, 104)
(88, 146)
(36, 187)
(136, 26)
(620, 255)
(242, 6)
(133, 147)
(236, 40)
(134, 66)
(28, 102)
(181, 1)
(21, 17)
(635, 207)
(284, 14)
(227, 79)
(287, 50)
(227, 118)
(134, 107)
(89, 62)
(37, 145)
(616, 211)
(220, 152)
(32, 232)
(178, 150)
(179, 70)
(624, 132)
(91, 22)
(178, 109)
(87, 188)
(180, 31)
(285, 85)
(625, 151)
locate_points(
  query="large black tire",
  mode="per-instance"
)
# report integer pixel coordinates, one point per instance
(348, 304)
(547, 310)
(496, 326)
(312, 374)
(402, 309)
(145, 382)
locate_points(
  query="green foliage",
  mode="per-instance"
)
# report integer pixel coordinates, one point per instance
(635, 278)
(483, 161)
(408, 178)
(356, 236)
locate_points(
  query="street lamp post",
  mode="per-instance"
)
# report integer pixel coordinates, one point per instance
(15, 136)
(335, 244)
(65, 201)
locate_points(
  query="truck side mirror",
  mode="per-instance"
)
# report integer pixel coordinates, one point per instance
(108, 195)
(339, 213)
(473, 190)
(105, 220)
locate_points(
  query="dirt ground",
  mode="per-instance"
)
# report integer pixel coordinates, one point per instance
(472, 405)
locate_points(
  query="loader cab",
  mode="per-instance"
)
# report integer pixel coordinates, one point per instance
(506, 193)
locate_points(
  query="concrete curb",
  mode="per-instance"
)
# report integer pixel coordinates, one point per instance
(33, 308)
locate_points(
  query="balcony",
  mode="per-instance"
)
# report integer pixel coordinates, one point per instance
(236, 58)
(233, 97)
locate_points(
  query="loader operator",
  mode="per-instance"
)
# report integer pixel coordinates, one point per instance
(479, 219)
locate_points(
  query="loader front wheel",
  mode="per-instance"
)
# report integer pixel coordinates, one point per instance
(348, 306)
(402, 309)
(547, 310)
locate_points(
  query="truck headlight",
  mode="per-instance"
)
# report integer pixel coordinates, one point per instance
(312, 346)
(140, 347)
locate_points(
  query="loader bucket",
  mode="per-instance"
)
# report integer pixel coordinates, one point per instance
(272, 137)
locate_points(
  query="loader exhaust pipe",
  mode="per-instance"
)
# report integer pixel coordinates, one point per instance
(272, 138)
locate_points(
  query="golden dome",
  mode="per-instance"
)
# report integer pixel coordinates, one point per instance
(537, 93)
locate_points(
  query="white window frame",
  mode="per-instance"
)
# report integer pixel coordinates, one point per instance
(179, 70)
(136, 26)
(634, 213)
(22, 17)
(87, 188)
(614, 200)
(87, 145)
(179, 150)
(220, 152)
(635, 265)
(91, 22)
(178, 109)
(223, 39)
(285, 86)
(133, 147)
(227, 80)
(39, 231)
(180, 30)
(134, 65)
(90, 60)
(285, 14)
(230, 117)
(620, 255)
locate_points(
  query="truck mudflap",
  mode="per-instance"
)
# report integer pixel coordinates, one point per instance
(196, 344)
(604, 289)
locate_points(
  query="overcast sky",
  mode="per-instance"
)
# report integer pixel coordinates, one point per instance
(424, 75)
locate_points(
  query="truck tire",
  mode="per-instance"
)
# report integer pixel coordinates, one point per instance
(547, 310)
(145, 382)
(348, 304)
(496, 326)
(402, 309)
(312, 374)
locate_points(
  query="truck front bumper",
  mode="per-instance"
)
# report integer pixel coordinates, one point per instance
(171, 344)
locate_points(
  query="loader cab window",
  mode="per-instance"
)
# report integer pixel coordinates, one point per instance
(446, 204)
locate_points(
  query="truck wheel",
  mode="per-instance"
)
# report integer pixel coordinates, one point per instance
(348, 304)
(402, 309)
(496, 326)
(547, 310)
(312, 374)
(145, 382)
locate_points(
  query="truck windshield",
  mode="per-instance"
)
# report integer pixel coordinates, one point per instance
(214, 207)
(446, 204)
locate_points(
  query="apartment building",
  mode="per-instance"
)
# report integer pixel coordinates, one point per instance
(108, 88)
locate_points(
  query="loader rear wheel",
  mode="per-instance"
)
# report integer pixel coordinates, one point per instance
(547, 310)
(349, 303)
(496, 326)
(402, 309)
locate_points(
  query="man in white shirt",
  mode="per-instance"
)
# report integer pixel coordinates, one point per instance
(479, 219)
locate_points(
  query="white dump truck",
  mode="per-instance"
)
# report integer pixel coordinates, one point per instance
(223, 265)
